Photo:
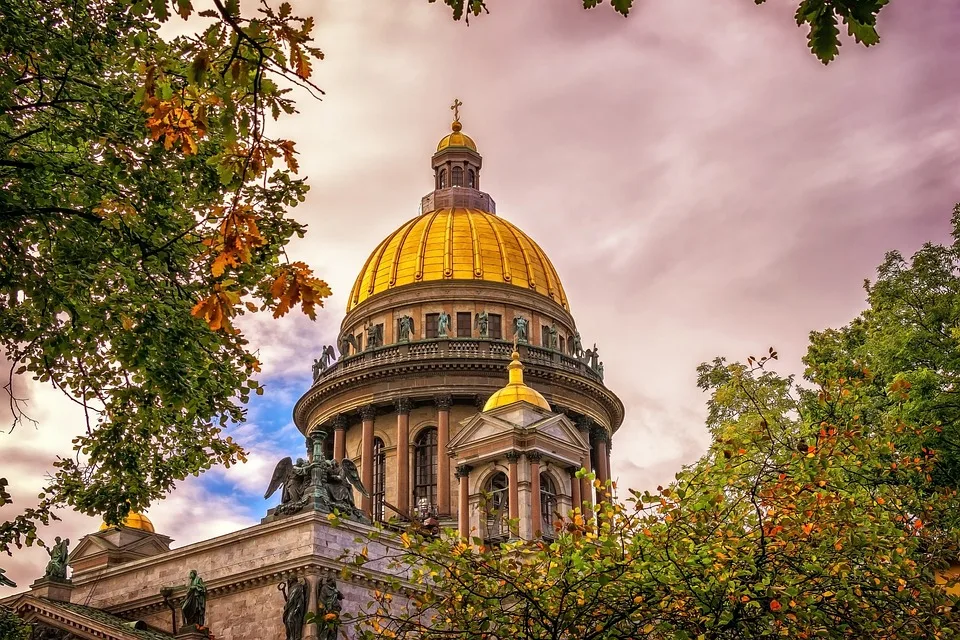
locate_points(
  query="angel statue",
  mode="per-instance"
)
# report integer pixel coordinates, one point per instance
(443, 324)
(341, 479)
(576, 346)
(482, 322)
(295, 479)
(348, 341)
(520, 328)
(405, 328)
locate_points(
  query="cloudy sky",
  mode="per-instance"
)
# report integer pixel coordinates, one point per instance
(701, 183)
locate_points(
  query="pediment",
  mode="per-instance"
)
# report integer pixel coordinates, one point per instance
(79, 621)
(559, 428)
(526, 420)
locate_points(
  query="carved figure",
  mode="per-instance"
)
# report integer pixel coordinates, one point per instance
(327, 357)
(600, 370)
(329, 607)
(374, 336)
(443, 325)
(520, 325)
(317, 368)
(594, 356)
(340, 477)
(295, 479)
(57, 566)
(294, 592)
(346, 342)
(194, 605)
(482, 322)
(405, 328)
(554, 339)
(576, 346)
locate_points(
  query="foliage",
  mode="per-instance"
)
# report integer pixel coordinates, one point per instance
(820, 16)
(144, 207)
(12, 627)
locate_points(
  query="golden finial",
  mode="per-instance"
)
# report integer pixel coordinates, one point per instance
(455, 107)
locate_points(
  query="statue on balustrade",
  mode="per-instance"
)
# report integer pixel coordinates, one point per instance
(443, 325)
(374, 336)
(576, 346)
(404, 328)
(329, 606)
(327, 357)
(346, 342)
(593, 356)
(294, 592)
(520, 325)
(554, 337)
(482, 322)
(600, 370)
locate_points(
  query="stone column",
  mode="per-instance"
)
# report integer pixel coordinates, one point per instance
(513, 458)
(575, 498)
(599, 439)
(367, 413)
(310, 630)
(339, 437)
(444, 402)
(586, 487)
(536, 521)
(463, 509)
(403, 456)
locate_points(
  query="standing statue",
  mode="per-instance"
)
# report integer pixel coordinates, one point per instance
(327, 356)
(482, 322)
(600, 370)
(404, 329)
(576, 347)
(520, 325)
(294, 606)
(346, 342)
(57, 566)
(341, 478)
(329, 607)
(317, 368)
(194, 605)
(443, 325)
(594, 356)
(374, 336)
(295, 479)
(554, 337)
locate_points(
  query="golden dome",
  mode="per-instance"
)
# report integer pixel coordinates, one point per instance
(133, 521)
(516, 390)
(457, 244)
(456, 139)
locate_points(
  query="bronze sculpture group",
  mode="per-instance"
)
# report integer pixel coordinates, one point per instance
(57, 566)
(295, 592)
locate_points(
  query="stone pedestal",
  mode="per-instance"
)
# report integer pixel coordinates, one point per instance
(58, 590)
(192, 632)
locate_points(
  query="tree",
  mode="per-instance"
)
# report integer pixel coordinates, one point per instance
(144, 207)
(821, 17)
(12, 627)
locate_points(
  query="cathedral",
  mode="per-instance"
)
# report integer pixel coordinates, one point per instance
(462, 398)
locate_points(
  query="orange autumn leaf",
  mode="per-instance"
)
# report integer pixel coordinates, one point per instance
(775, 605)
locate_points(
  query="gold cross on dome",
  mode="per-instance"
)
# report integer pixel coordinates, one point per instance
(456, 109)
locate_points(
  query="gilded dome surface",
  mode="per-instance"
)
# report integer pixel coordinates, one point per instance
(516, 390)
(457, 244)
(133, 521)
(456, 139)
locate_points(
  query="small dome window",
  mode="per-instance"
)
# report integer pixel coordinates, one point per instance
(457, 175)
(442, 179)
(471, 178)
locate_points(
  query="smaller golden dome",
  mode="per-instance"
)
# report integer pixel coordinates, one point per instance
(456, 139)
(133, 521)
(516, 390)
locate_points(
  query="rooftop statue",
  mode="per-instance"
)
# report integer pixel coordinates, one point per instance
(346, 342)
(443, 325)
(520, 325)
(57, 566)
(327, 357)
(194, 606)
(576, 346)
(482, 322)
(405, 328)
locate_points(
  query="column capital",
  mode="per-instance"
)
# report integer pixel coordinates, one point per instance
(599, 434)
(368, 412)
(403, 405)
(463, 470)
(534, 456)
(443, 400)
(340, 422)
(572, 470)
(513, 455)
(584, 423)
(479, 402)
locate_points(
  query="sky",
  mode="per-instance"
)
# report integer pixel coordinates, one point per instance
(702, 184)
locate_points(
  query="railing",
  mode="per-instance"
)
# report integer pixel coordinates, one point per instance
(466, 348)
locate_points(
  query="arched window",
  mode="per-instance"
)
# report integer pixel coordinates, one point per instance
(457, 175)
(548, 502)
(497, 507)
(379, 478)
(425, 469)
(442, 179)
(471, 179)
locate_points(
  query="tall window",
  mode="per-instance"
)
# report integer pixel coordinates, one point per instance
(457, 177)
(379, 478)
(359, 342)
(563, 347)
(548, 502)
(425, 468)
(545, 337)
(442, 179)
(497, 507)
(430, 325)
(495, 327)
(471, 179)
(464, 324)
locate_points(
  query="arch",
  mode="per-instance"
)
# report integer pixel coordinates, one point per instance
(495, 512)
(471, 178)
(549, 505)
(456, 177)
(378, 491)
(425, 469)
(442, 179)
